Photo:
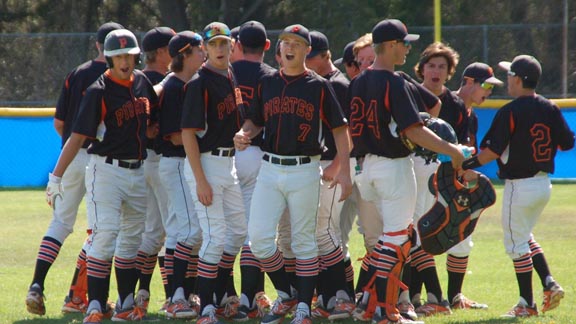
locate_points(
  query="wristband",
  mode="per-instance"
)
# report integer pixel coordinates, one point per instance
(471, 163)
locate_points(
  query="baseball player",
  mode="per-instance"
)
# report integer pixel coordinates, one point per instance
(236, 53)
(477, 83)
(386, 97)
(182, 226)
(65, 211)
(210, 118)
(115, 112)
(524, 137)
(363, 51)
(350, 65)
(252, 43)
(292, 106)
(436, 66)
(333, 300)
(157, 60)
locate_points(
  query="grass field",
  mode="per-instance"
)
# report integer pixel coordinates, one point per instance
(490, 279)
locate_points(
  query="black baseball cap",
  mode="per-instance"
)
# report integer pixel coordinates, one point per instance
(252, 34)
(234, 32)
(105, 29)
(347, 55)
(391, 29)
(526, 67)
(297, 30)
(216, 30)
(319, 43)
(481, 72)
(182, 41)
(157, 38)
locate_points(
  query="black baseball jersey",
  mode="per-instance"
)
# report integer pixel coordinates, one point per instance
(526, 134)
(155, 144)
(211, 106)
(424, 98)
(72, 92)
(383, 105)
(116, 114)
(340, 85)
(473, 129)
(247, 75)
(454, 112)
(292, 110)
(170, 115)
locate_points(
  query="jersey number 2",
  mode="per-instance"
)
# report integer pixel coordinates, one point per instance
(541, 142)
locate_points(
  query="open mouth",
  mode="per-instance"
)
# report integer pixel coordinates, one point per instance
(435, 79)
(125, 70)
(289, 57)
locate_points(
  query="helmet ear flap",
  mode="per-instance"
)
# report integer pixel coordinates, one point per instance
(137, 59)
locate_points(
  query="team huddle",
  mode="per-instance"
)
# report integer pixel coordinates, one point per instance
(208, 153)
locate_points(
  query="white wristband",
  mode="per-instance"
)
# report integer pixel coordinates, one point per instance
(53, 178)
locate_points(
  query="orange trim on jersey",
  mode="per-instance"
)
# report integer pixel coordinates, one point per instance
(283, 76)
(512, 125)
(126, 83)
(103, 110)
(322, 117)
(205, 105)
(387, 97)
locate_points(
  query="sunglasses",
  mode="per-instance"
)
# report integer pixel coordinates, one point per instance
(487, 86)
(511, 73)
(405, 42)
(215, 31)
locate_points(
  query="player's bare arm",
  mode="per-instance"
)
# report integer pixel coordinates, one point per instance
(69, 151)
(342, 140)
(243, 137)
(426, 138)
(59, 126)
(203, 188)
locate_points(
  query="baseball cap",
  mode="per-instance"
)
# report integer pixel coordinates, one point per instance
(182, 41)
(120, 41)
(481, 72)
(216, 30)
(105, 29)
(347, 55)
(297, 30)
(526, 67)
(391, 29)
(234, 32)
(318, 42)
(252, 34)
(157, 38)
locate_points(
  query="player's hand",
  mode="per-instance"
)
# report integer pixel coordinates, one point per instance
(469, 178)
(330, 172)
(54, 190)
(343, 178)
(204, 192)
(242, 140)
(152, 130)
(457, 158)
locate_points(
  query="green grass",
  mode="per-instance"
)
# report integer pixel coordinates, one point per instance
(25, 217)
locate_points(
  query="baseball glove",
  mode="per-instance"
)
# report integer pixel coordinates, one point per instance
(457, 209)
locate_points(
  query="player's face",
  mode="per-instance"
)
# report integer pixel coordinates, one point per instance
(513, 83)
(435, 73)
(401, 49)
(293, 51)
(195, 58)
(365, 57)
(218, 50)
(236, 54)
(124, 65)
(315, 63)
(481, 91)
(352, 70)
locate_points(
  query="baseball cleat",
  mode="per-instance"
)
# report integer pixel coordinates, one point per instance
(301, 317)
(521, 310)
(461, 302)
(279, 310)
(134, 313)
(142, 299)
(74, 305)
(430, 309)
(180, 309)
(553, 294)
(35, 300)
(342, 310)
(94, 317)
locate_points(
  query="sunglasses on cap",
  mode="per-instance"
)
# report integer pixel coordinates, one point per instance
(487, 86)
(511, 73)
(405, 42)
(217, 31)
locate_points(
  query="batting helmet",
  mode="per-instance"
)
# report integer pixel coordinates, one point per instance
(440, 128)
(120, 41)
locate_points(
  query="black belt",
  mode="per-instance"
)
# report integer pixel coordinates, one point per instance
(287, 161)
(124, 164)
(224, 152)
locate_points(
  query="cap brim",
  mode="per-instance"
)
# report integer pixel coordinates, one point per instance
(412, 37)
(283, 35)
(312, 54)
(494, 80)
(219, 36)
(339, 61)
(133, 51)
(505, 65)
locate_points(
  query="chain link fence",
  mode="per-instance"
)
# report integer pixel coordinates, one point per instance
(35, 65)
